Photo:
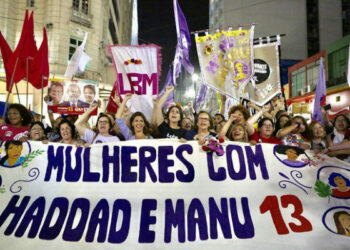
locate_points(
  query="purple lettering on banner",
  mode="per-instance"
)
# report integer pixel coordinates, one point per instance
(220, 174)
(33, 215)
(145, 163)
(17, 212)
(246, 230)
(55, 162)
(107, 160)
(241, 174)
(120, 236)
(99, 217)
(48, 232)
(256, 159)
(135, 80)
(73, 174)
(75, 234)
(127, 163)
(153, 81)
(122, 91)
(146, 235)
(174, 218)
(88, 175)
(180, 174)
(196, 207)
(215, 215)
(164, 163)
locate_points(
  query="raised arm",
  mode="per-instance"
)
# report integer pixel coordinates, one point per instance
(79, 124)
(121, 108)
(253, 119)
(227, 125)
(285, 131)
(158, 112)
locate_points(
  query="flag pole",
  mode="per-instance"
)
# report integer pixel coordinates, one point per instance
(27, 87)
(11, 85)
(42, 97)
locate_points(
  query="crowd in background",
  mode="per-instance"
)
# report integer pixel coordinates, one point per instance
(249, 124)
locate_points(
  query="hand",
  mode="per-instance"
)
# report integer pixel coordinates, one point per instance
(265, 108)
(116, 99)
(169, 89)
(155, 101)
(251, 105)
(233, 117)
(93, 106)
(127, 97)
(182, 140)
(253, 143)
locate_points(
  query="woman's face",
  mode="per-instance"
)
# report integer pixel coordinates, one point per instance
(186, 124)
(174, 115)
(291, 154)
(36, 133)
(302, 127)
(14, 151)
(138, 124)
(89, 95)
(239, 117)
(318, 131)
(339, 181)
(344, 220)
(203, 122)
(266, 129)
(341, 124)
(238, 133)
(282, 121)
(66, 132)
(15, 117)
(103, 125)
(219, 126)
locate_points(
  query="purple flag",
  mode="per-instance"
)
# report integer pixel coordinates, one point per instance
(320, 95)
(183, 43)
(168, 82)
(202, 94)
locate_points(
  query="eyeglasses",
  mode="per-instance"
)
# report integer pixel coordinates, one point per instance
(203, 119)
(267, 125)
(102, 122)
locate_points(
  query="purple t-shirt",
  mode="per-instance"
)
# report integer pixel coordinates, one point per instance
(90, 135)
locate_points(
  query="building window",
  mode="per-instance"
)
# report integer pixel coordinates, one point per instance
(30, 3)
(337, 66)
(313, 70)
(73, 45)
(81, 5)
(346, 17)
(298, 82)
(313, 34)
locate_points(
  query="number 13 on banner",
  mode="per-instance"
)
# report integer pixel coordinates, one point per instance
(271, 204)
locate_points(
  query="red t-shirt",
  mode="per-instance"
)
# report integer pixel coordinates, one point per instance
(272, 139)
(10, 133)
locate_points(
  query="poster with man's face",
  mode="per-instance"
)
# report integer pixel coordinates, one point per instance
(72, 97)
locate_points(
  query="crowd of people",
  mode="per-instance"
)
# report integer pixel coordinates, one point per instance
(268, 124)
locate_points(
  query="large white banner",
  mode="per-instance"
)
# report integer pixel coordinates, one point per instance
(162, 194)
(137, 69)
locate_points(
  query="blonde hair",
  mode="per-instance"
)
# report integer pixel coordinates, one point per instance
(245, 137)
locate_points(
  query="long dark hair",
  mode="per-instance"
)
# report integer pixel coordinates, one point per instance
(180, 111)
(7, 145)
(26, 116)
(41, 125)
(145, 128)
(277, 125)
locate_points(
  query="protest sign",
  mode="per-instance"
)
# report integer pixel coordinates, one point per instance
(171, 195)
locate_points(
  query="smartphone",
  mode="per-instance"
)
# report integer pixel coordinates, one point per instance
(327, 107)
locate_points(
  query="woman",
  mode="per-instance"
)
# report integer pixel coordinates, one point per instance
(37, 131)
(17, 121)
(295, 133)
(342, 222)
(66, 132)
(103, 125)
(292, 154)
(170, 127)
(13, 156)
(281, 122)
(202, 126)
(341, 184)
(340, 135)
(139, 124)
(239, 133)
(318, 137)
(265, 133)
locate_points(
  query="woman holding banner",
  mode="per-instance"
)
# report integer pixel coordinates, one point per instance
(103, 125)
(138, 123)
(203, 124)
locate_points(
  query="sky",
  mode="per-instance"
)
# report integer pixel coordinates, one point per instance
(157, 25)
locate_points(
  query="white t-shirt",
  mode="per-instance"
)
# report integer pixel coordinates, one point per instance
(89, 137)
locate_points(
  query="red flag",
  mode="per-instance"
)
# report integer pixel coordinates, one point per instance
(39, 66)
(112, 106)
(6, 53)
(26, 48)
